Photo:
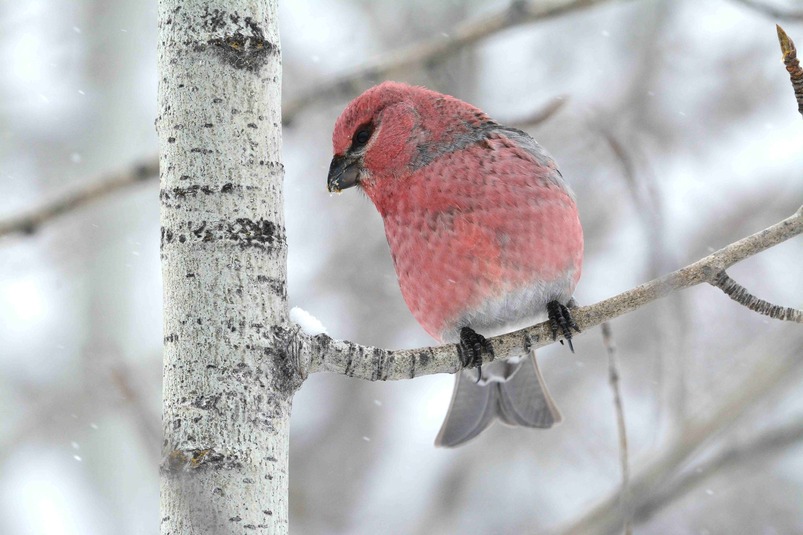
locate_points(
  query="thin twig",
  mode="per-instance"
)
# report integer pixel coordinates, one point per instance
(322, 353)
(667, 325)
(146, 422)
(739, 293)
(760, 447)
(765, 377)
(792, 65)
(30, 221)
(613, 379)
(645, 202)
(519, 12)
(540, 115)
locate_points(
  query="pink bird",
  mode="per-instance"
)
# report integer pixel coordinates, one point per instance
(484, 235)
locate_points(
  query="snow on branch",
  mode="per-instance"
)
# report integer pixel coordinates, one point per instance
(322, 353)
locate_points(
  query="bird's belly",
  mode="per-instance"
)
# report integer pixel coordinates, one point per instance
(510, 310)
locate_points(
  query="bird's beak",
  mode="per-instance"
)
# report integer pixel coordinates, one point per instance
(344, 172)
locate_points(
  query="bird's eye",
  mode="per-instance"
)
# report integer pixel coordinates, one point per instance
(361, 136)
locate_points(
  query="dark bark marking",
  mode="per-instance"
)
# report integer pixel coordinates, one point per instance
(425, 357)
(284, 353)
(206, 403)
(388, 365)
(178, 461)
(166, 237)
(243, 48)
(379, 367)
(260, 233)
(250, 233)
(277, 286)
(348, 371)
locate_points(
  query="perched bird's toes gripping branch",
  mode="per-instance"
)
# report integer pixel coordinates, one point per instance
(470, 349)
(560, 319)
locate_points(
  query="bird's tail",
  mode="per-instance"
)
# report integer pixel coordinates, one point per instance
(514, 392)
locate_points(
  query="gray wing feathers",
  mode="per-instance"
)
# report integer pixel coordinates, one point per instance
(520, 400)
(526, 142)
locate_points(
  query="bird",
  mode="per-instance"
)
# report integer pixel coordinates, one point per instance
(484, 234)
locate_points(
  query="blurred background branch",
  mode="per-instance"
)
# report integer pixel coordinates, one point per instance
(434, 50)
(766, 378)
(621, 427)
(29, 221)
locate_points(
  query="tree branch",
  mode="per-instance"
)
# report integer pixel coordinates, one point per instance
(28, 222)
(613, 379)
(792, 66)
(540, 115)
(519, 12)
(739, 293)
(759, 447)
(322, 353)
(765, 377)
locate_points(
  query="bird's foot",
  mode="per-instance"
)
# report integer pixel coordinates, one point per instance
(470, 349)
(560, 319)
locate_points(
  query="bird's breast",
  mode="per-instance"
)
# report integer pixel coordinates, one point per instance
(481, 242)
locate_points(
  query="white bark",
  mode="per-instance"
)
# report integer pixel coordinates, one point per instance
(229, 375)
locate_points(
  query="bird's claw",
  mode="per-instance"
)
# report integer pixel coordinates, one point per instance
(560, 319)
(471, 347)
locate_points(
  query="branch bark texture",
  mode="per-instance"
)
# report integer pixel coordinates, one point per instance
(322, 353)
(228, 376)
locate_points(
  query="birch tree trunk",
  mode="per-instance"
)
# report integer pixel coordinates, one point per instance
(229, 375)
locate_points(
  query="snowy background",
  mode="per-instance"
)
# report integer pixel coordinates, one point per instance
(693, 93)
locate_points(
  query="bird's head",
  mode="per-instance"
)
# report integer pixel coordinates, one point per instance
(390, 130)
(372, 136)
